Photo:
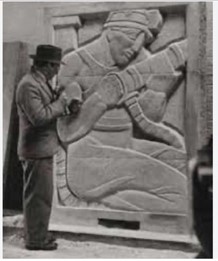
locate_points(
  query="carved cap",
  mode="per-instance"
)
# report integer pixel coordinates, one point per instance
(139, 19)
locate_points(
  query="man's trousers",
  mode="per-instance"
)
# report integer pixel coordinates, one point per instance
(37, 198)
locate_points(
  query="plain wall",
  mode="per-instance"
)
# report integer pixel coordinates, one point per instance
(23, 22)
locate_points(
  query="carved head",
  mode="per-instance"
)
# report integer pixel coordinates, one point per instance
(128, 31)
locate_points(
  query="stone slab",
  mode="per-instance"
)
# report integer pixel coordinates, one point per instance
(80, 184)
(79, 246)
(14, 224)
(127, 234)
(147, 222)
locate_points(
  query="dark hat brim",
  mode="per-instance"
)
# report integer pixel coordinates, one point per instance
(34, 57)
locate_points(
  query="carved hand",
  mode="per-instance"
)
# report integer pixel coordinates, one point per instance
(110, 90)
(129, 53)
(160, 72)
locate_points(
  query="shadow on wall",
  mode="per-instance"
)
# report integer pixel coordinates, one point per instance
(15, 65)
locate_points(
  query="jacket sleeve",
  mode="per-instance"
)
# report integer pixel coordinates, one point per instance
(31, 103)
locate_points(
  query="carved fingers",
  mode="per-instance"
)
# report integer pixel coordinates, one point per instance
(129, 53)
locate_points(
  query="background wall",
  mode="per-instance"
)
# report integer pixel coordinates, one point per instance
(23, 22)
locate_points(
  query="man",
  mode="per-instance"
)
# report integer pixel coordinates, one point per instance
(38, 108)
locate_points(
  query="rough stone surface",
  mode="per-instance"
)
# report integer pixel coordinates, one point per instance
(173, 30)
(206, 95)
(90, 30)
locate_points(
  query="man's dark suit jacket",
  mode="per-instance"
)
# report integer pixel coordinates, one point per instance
(38, 112)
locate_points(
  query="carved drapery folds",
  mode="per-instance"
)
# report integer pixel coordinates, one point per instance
(125, 150)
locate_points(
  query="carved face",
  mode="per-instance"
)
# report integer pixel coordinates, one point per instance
(121, 48)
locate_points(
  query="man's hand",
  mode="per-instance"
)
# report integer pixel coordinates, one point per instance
(60, 89)
(74, 106)
(64, 98)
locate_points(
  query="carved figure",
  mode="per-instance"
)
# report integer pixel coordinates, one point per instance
(122, 84)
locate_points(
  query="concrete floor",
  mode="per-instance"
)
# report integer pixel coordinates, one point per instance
(83, 247)
(78, 244)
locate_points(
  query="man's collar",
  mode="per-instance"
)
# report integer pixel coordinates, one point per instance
(41, 79)
(38, 75)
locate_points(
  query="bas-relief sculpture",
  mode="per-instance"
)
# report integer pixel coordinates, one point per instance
(120, 153)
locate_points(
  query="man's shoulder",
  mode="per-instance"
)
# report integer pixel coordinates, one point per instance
(27, 78)
(27, 82)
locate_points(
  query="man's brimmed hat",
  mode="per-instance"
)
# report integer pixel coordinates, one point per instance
(48, 53)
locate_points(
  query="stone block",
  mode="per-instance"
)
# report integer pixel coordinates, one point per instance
(106, 166)
(112, 172)
(65, 32)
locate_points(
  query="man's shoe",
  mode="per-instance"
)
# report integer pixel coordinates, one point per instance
(44, 246)
(50, 237)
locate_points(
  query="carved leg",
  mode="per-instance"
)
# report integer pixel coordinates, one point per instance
(124, 178)
(167, 154)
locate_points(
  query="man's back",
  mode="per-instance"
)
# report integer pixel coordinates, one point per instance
(36, 140)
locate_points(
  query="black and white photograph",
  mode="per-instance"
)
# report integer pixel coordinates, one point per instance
(107, 130)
